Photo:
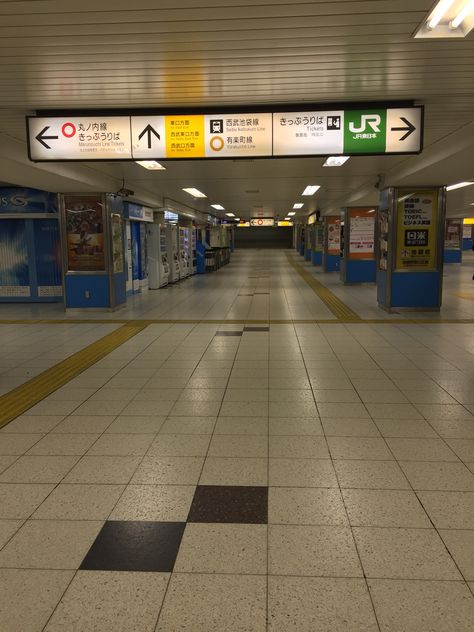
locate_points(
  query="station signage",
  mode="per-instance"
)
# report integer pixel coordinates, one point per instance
(262, 221)
(235, 135)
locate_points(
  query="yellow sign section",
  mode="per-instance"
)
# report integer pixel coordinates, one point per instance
(284, 223)
(312, 219)
(185, 136)
(468, 221)
(416, 230)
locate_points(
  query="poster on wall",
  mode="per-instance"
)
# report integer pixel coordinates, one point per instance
(117, 243)
(14, 269)
(416, 230)
(334, 236)
(383, 220)
(84, 219)
(467, 231)
(453, 234)
(362, 233)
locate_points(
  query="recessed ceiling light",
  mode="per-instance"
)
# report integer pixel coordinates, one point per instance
(311, 189)
(195, 192)
(448, 19)
(298, 205)
(152, 165)
(335, 161)
(230, 214)
(291, 213)
(218, 207)
(287, 219)
(458, 185)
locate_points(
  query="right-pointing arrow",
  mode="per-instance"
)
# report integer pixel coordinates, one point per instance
(149, 130)
(409, 129)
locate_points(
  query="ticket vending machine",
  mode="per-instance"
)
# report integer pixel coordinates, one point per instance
(172, 252)
(192, 250)
(158, 267)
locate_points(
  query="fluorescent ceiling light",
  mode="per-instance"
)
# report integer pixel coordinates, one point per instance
(291, 213)
(462, 15)
(311, 189)
(287, 219)
(195, 192)
(230, 215)
(335, 161)
(438, 13)
(151, 164)
(218, 207)
(459, 185)
(298, 205)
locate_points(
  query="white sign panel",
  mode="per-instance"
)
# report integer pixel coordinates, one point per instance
(403, 130)
(362, 235)
(300, 133)
(80, 138)
(262, 221)
(148, 137)
(233, 135)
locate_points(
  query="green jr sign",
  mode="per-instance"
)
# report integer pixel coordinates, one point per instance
(365, 132)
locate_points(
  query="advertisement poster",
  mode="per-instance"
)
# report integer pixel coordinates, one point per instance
(453, 234)
(84, 233)
(467, 231)
(319, 237)
(117, 243)
(416, 231)
(362, 233)
(14, 270)
(383, 238)
(333, 236)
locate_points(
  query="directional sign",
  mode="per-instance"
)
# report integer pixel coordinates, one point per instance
(262, 221)
(79, 138)
(242, 135)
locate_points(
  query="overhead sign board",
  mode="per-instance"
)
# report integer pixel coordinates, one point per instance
(245, 135)
(262, 221)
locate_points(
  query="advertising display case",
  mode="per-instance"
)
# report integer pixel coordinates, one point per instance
(332, 244)
(453, 237)
(358, 247)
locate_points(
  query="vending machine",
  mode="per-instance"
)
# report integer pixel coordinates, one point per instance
(172, 252)
(183, 252)
(158, 267)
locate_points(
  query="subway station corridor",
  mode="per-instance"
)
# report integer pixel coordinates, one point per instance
(256, 449)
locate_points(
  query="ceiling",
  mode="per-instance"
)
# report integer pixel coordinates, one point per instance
(61, 54)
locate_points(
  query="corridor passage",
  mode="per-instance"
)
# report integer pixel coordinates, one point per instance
(267, 465)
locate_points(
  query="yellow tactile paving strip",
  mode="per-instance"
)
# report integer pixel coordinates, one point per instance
(342, 312)
(23, 397)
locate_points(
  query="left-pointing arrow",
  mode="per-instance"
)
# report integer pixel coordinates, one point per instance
(41, 137)
(149, 130)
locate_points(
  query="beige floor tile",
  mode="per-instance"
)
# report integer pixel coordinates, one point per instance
(412, 606)
(7, 529)
(19, 500)
(449, 510)
(404, 554)
(360, 474)
(50, 544)
(100, 408)
(293, 409)
(31, 424)
(79, 502)
(6, 461)
(298, 447)
(223, 548)
(365, 448)
(421, 449)
(334, 396)
(167, 503)
(16, 444)
(88, 424)
(104, 470)
(244, 409)
(349, 427)
(203, 395)
(234, 471)
(179, 445)
(301, 473)
(201, 603)
(343, 410)
(121, 445)
(410, 428)
(301, 506)
(317, 551)
(28, 597)
(382, 397)
(393, 411)
(295, 426)
(39, 469)
(241, 426)
(116, 602)
(168, 470)
(139, 424)
(188, 425)
(290, 395)
(437, 475)
(464, 448)
(460, 544)
(306, 604)
(384, 508)
(239, 446)
(63, 445)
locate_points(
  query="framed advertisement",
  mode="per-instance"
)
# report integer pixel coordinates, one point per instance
(417, 217)
(84, 228)
(333, 235)
(117, 243)
(453, 234)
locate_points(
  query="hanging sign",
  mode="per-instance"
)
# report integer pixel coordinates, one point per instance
(262, 221)
(416, 230)
(237, 135)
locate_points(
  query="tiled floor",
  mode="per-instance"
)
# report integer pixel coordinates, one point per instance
(296, 477)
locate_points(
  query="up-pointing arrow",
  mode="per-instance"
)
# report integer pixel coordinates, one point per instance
(149, 130)
(41, 137)
(409, 129)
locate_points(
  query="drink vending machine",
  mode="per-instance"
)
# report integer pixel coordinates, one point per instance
(172, 252)
(158, 266)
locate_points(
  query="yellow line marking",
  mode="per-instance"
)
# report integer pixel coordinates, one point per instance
(468, 296)
(20, 399)
(342, 312)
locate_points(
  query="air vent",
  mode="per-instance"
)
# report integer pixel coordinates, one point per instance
(252, 191)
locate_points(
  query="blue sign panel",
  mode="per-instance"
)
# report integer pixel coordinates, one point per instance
(14, 270)
(24, 200)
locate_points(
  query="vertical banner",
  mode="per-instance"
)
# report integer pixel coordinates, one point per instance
(333, 235)
(361, 233)
(117, 243)
(416, 230)
(84, 221)
(383, 221)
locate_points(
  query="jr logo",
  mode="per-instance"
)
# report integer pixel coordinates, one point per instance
(373, 120)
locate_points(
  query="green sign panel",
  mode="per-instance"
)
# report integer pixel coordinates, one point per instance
(365, 131)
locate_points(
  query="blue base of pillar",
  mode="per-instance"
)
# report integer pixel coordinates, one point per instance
(358, 271)
(331, 263)
(317, 258)
(410, 290)
(467, 244)
(307, 254)
(452, 256)
(301, 251)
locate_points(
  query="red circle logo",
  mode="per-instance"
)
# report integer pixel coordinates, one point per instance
(260, 222)
(68, 130)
